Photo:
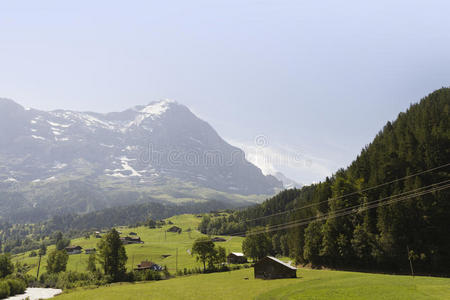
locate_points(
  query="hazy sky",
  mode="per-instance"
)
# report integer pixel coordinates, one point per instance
(311, 81)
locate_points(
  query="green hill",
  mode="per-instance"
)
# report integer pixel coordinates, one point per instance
(378, 238)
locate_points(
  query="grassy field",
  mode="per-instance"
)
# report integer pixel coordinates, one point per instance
(311, 284)
(157, 242)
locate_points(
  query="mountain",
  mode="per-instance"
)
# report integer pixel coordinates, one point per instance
(388, 209)
(84, 161)
(288, 183)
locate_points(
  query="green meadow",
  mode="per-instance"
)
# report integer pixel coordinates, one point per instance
(310, 284)
(157, 244)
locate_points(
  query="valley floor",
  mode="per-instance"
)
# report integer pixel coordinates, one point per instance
(310, 284)
(160, 247)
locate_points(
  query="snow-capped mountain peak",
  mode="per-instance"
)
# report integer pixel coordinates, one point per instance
(144, 144)
(155, 109)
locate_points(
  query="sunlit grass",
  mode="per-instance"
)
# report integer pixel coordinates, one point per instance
(157, 242)
(311, 284)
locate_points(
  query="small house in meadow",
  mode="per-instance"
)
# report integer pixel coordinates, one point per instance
(132, 233)
(271, 268)
(236, 258)
(218, 239)
(148, 265)
(131, 240)
(89, 250)
(175, 229)
(73, 249)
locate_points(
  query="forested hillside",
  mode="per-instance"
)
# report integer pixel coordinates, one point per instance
(375, 214)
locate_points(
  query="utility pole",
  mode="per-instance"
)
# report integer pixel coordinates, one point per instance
(176, 263)
(410, 262)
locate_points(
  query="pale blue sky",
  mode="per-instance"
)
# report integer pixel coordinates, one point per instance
(317, 78)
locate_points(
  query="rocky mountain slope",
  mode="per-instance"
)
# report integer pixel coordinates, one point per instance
(161, 150)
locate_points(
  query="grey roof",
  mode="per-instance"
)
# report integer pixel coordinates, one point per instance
(73, 247)
(237, 253)
(281, 262)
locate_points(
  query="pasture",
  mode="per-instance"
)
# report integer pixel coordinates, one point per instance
(157, 245)
(310, 284)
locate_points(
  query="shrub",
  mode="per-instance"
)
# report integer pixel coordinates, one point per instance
(4, 290)
(70, 279)
(16, 286)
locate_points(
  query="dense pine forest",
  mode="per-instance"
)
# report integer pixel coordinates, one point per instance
(390, 207)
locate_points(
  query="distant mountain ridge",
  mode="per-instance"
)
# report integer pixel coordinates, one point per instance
(288, 183)
(160, 146)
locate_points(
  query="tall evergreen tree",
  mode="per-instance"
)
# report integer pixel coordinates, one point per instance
(112, 255)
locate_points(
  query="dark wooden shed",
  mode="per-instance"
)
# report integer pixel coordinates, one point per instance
(218, 239)
(236, 258)
(271, 268)
(174, 229)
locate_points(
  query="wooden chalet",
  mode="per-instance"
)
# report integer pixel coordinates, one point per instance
(131, 240)
(236, 258)
(73, 250)
(175, 229)
(148, 265)
(218, 239)
(89, 250)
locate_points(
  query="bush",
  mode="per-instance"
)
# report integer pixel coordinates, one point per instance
(147, 275)
(16, 286)
(4, 290)
(70, 279)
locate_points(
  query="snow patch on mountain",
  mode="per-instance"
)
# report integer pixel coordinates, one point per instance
(59, 165)
(153, 111)
(37, 137)
(59, 125)
(10, 179)
(156, 109)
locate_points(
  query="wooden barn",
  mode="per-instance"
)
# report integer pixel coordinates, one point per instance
(73, 250)
(174, 229)
(148, 265)
(236, 258)
(218, 239)
(271, 268)
(131, 240)
(89, 250)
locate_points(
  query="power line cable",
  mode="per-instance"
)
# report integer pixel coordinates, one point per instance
(351, 210)
(349, 194)
(343, 213)
(382, 199)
